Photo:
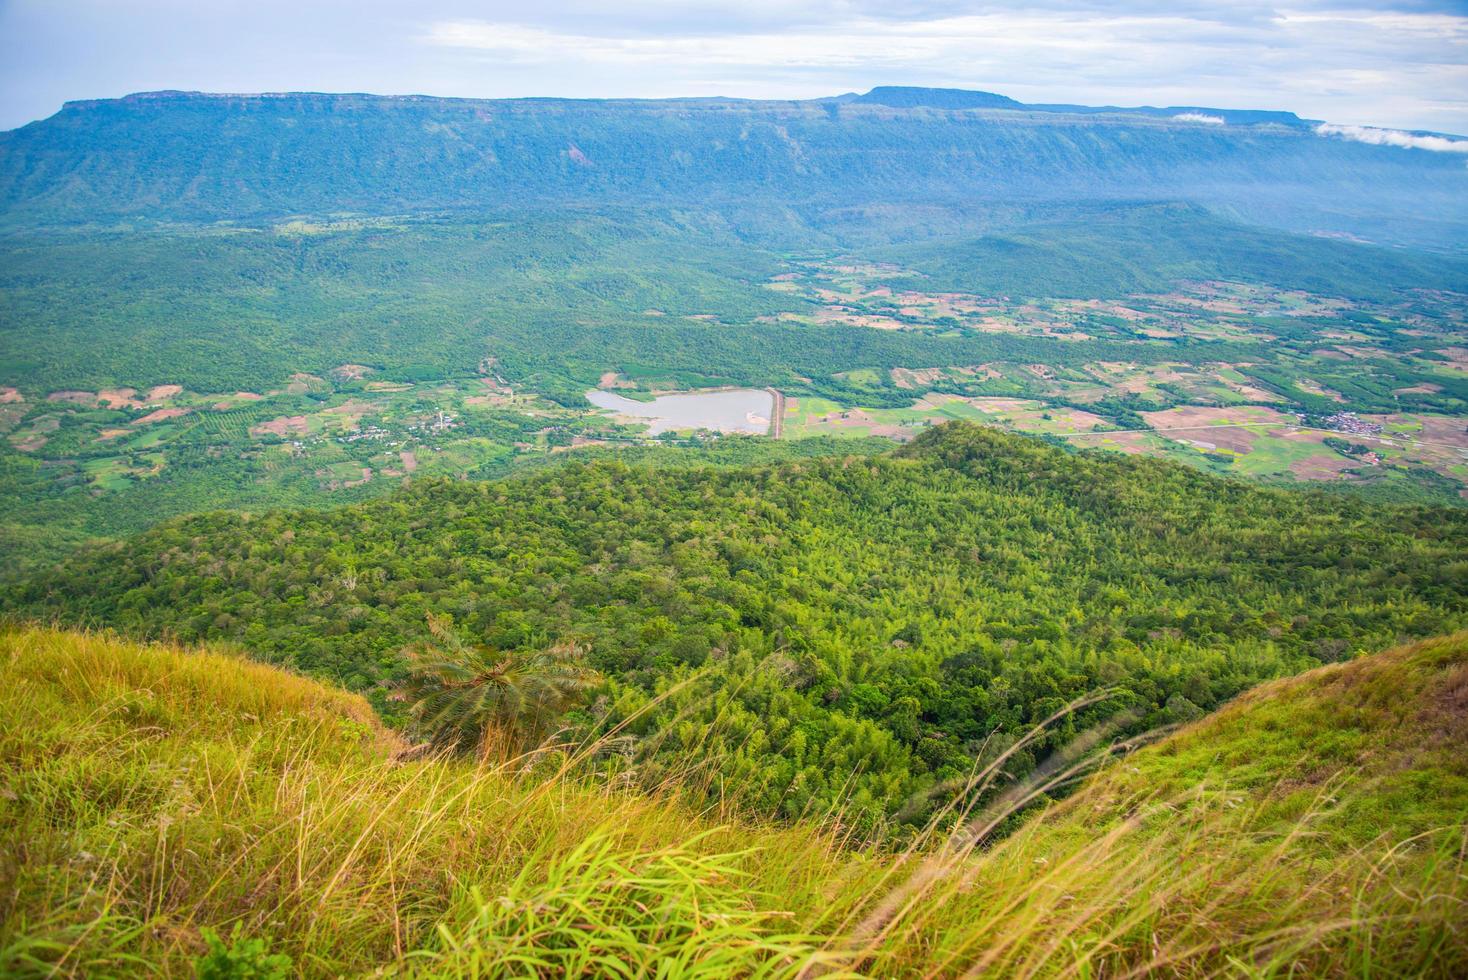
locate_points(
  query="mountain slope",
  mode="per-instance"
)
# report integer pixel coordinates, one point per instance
(173, 156)
(872, 621)
(1120, 251)
(1316, 822)
(148, 793)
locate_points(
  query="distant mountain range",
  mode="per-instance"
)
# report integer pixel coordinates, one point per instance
(191, 157)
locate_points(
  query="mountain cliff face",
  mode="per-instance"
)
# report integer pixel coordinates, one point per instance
(189, 157)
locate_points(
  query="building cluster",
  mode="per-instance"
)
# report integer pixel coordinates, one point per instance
(441, 422)
(1351, 423)
(368, 432)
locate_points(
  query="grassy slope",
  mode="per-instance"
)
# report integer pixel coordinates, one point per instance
(146, 792)
(864, 655)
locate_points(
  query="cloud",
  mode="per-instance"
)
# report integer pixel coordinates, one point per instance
(1385, 65)
(1394, 137)
(982, 39)
(1199, 117)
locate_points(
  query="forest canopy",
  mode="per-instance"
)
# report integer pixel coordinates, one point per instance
(837, 627)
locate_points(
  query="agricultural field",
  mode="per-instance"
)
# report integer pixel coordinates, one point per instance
(886, 297)
(342, 430)
(79, 464)
(1404, 453)
(1264, 383)
(325, 428)
(818, 416)
(447, 353)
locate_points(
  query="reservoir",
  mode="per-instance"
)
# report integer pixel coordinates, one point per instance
(735, 410)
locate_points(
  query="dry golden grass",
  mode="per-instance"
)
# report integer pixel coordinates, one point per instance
(148, 792)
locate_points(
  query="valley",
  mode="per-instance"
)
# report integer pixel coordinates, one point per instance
(1261, 380)
(912, 533)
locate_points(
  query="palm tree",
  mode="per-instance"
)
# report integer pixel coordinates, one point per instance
(469, 696)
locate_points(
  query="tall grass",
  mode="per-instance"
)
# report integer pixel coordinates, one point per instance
(148, 793)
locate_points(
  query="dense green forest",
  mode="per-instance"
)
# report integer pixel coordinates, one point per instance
(553, 297)
(557, 297)
(836, 628)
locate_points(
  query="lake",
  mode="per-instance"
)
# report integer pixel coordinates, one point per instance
(735, 410)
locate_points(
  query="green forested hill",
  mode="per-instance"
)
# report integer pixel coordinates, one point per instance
(558, 297)
(851, 625)
(1116, 251)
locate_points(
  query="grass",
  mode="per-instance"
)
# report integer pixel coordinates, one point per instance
(1028, 417)
(1272, 455)
(149, 793)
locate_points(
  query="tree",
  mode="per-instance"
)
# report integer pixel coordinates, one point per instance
(473, 697)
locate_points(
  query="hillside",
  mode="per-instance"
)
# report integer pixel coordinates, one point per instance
(1118, 252)
(174, 156)
(868, 621)
(559, 297)
(150, 793)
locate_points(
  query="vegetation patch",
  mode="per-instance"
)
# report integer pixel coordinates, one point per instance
(1311, 827)
(1056, 573)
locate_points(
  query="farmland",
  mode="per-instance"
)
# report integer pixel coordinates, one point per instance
(169, 380)
(1317, 395)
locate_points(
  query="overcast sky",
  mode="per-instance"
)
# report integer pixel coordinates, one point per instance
(1396, 63)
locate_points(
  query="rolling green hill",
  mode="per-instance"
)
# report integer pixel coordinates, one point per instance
(149, 795)
(563, 295)
(1121, 251)
(868, 622)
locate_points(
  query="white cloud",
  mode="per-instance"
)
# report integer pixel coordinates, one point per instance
(1405, 22)
(981, 38)
(1394, 137)
(1199, 117)
(1356, 66)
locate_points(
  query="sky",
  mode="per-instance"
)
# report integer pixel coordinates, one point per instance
(1383, 63)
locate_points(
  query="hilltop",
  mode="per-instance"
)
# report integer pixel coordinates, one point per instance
(1314, 825)
(907, 96)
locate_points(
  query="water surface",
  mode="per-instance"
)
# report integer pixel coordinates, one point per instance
(733, 410)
